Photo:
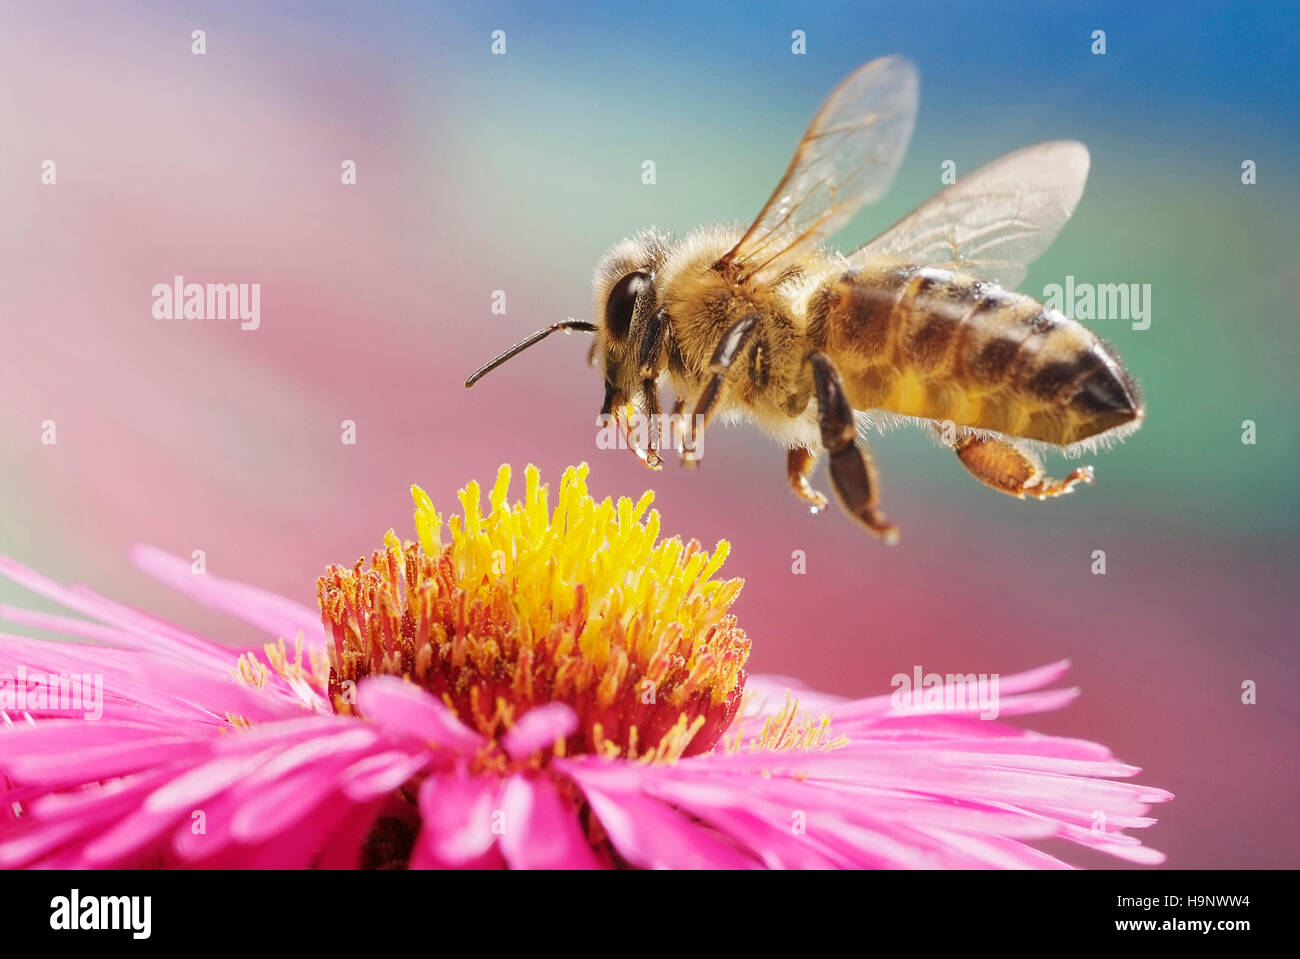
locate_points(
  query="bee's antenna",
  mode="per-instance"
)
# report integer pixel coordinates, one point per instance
(567, 325)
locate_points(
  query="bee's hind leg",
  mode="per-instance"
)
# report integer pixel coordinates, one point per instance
(799, 463)
(853, 475)
(1012, 469)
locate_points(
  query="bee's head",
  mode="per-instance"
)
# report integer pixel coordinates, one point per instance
(624, 286)
(625, 300)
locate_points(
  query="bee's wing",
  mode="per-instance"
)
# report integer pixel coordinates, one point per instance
(846, 159)
(995, 221)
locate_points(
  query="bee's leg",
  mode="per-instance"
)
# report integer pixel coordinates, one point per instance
(652, 346)
(623, 415)
(706, 403)
(650, 401)
(617, 406)
(799, 463)
(853, 475)
(1012, 469)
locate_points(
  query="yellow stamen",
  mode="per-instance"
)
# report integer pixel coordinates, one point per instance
(526, 605)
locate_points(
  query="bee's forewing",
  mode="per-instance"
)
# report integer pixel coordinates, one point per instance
(995, 221)
(847, 158)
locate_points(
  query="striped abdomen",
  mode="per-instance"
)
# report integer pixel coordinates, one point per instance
(946, 346)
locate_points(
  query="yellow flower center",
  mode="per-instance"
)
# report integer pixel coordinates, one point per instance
(525, 606)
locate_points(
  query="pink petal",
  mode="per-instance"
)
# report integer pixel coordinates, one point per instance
(142, 631)
(65, 818)
(540, 829)
(646, 832)
(458, 813)
(403, 709)
(378, 775)
(278, 616)
(341, 847)
(538, 729)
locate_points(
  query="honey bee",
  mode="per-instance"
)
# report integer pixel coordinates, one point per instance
(921, 323)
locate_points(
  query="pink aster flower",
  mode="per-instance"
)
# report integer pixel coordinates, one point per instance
(548, 689)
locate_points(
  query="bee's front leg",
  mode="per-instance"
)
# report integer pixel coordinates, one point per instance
(618, 410)
(706, 402)
(650, 401)
(652, 347)
(645, 456)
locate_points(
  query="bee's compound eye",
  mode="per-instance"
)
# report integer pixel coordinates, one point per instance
(622, 302)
